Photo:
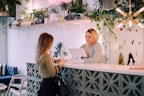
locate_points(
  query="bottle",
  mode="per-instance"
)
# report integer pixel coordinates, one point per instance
(131, 65)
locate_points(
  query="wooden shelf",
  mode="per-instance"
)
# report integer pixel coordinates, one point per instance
(63, 23)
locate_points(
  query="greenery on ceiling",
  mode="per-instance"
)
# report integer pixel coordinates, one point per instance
(109, 17)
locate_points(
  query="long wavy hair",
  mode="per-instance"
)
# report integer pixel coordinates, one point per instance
(94, 35)
(44, 43)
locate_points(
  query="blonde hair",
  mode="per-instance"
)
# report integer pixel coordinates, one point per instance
(44, 43)
(94, 34)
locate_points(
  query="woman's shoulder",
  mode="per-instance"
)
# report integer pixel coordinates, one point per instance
(46, 55)
(97, 45)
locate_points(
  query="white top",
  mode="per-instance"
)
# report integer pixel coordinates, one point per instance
(95, 54)
(113, 68)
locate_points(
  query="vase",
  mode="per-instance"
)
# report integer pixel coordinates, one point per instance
(40, 20)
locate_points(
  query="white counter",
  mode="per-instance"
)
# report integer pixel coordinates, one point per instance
(113, 68)
(94, 80)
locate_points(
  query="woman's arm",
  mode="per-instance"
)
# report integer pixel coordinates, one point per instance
(52, 70)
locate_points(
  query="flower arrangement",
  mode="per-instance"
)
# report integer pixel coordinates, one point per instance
(58, 49)
(61, 52)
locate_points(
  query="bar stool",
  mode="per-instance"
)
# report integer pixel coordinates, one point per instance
(17, 85)
(3, 88)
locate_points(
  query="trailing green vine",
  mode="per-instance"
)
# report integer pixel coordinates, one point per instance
(110, 17)
(108, 20)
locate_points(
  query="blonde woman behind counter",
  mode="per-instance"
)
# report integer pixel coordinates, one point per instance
(92, 47)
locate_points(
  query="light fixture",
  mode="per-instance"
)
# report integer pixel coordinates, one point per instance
(130, 16)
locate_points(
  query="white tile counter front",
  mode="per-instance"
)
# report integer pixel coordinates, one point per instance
(113, 68)
(93, 80)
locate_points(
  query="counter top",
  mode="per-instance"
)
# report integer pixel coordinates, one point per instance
(113, 68)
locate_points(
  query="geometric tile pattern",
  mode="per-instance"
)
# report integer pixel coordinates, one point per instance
(91, 83)
(34, 79)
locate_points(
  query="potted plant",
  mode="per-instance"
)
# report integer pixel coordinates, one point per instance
(9, 7)
(77, 8)
(39, 15)
(61, 52)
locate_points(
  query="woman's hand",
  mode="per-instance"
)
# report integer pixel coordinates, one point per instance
(57, 60)
(61, 62)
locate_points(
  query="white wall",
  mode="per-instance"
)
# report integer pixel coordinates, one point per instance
(124, 44)
(22, 42)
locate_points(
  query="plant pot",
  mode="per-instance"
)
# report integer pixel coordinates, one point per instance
(80, 15)
(4, 13)
(40, 21)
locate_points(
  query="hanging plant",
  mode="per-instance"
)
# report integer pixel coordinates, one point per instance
(107, 17)
(110, 17)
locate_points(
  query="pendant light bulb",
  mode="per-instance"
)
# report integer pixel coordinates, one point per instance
(122, 12)
(140, 25)
(130, 23)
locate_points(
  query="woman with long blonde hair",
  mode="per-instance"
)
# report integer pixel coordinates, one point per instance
(92, 47)
(46, 65)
